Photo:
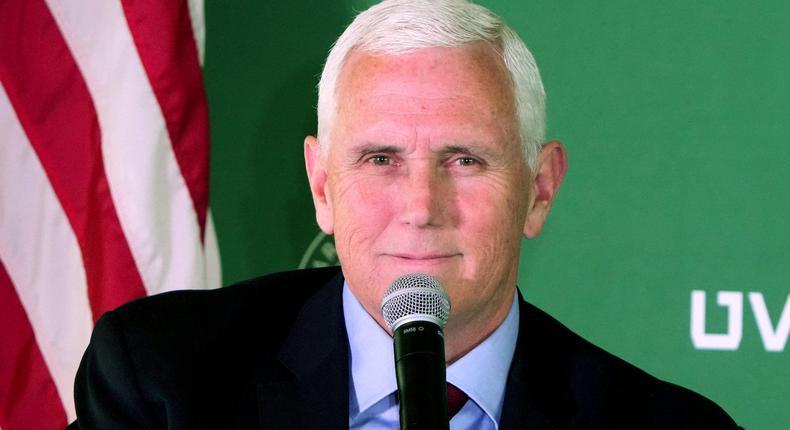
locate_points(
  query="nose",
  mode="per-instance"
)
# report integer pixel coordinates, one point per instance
(424, 197)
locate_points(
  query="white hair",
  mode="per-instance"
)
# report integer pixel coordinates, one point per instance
(395, 27)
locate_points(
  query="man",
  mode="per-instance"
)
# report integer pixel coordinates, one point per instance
(429, 159)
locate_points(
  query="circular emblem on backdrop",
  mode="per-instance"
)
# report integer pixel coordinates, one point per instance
(320, 253)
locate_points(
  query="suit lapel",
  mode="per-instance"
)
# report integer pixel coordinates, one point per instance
(537, 396)
(308, 388)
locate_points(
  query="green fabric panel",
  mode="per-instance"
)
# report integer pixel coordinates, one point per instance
(675, 117)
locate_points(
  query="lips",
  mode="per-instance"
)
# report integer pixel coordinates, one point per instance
(423, 256)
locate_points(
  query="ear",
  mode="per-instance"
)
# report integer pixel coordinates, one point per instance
(315, 164)
(550, 169)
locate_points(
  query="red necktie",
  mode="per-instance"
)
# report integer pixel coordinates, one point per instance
(455, 400)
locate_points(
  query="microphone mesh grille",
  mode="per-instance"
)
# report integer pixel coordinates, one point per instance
(414, 296)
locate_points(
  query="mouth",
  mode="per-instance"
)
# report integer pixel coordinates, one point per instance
(423, 258)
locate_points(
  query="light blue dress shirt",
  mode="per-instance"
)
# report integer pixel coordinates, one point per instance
(481, 373)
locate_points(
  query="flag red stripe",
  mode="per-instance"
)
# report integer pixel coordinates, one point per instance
(57, 113)
(28, 397)
(162, 33)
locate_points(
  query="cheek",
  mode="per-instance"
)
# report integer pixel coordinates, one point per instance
(362, 213)
(492, 219)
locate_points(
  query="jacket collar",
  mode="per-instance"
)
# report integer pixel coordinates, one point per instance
(537, 396)
(308, 387)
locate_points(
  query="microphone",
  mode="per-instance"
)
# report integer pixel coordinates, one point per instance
(416, 308)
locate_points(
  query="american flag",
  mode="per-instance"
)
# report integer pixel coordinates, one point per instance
(103, 181)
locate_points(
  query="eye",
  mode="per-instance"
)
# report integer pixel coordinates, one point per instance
(466, 161)
(380, 160)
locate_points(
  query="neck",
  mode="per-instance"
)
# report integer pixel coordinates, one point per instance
(463, 335)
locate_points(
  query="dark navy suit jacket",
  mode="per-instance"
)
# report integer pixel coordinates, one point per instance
(272, 353)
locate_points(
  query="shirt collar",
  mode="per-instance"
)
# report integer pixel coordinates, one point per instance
(372, 356)
(481, 373)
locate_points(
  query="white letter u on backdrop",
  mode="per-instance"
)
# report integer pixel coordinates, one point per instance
(733, 301)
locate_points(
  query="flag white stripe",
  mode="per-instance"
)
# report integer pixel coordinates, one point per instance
(198, 17)
(151, 197)
(211, 247)
(42, 256)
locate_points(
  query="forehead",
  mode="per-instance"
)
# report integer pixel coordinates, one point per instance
(467, 87)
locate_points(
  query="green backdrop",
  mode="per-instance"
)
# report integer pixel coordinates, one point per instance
(676, 117)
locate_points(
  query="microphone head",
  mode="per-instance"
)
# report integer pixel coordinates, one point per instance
(415, 297)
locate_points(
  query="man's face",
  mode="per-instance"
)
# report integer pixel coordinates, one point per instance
(425, 174)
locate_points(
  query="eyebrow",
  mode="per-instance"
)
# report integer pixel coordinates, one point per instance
(370, 148)
(367, 148)
(459, 149)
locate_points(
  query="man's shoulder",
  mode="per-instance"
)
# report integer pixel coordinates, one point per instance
(231, 317)
(598, 385)
(196, 358)
(276, 293)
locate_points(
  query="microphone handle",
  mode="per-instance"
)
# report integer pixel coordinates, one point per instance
(420, 368)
